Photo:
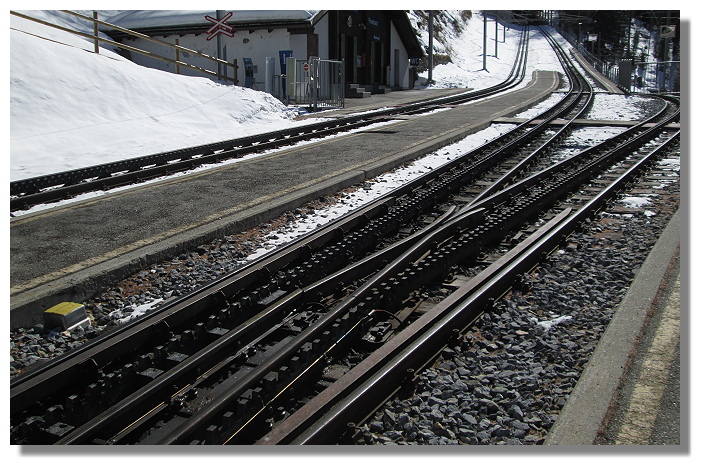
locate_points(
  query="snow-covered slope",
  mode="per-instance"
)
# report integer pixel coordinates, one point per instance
(71, 108)
(459, 36)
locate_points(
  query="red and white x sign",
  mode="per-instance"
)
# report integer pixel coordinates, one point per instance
(219, 26)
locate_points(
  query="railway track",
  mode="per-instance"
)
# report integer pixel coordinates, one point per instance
(228, 363)
(55, 187)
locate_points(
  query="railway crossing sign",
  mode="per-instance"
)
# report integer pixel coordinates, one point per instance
(219, 26)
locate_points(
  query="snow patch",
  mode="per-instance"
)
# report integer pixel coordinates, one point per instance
(136, 313)
(635, 201)
(548, 324)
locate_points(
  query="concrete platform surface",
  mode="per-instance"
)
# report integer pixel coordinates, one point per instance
(629, 392)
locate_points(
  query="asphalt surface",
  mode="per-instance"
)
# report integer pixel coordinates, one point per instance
(72, 252)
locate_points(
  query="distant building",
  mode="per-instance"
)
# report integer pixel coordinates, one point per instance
(377, 45)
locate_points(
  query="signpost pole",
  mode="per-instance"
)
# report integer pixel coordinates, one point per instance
(218, 45)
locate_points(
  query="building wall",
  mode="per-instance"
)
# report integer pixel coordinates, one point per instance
(256, 45)
(322, 30)
(399, 74)
(367, 40)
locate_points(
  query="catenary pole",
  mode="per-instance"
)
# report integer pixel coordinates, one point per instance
(496, 32)
(484, 41)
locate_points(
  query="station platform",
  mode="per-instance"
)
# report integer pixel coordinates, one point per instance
(630, 391)
(74, 251)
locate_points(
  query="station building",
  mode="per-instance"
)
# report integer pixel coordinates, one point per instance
(377, 46)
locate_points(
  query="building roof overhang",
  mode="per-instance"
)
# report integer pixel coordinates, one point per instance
(171, 22)
(407, 33)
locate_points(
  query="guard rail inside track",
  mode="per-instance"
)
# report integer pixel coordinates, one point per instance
(229, 362)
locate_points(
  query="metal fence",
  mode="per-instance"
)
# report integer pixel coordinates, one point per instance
(655, 77)
(632, 76)
(314, 83)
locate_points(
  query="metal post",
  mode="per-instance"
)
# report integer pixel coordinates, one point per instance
(218, 16)
(176, 42)
(430, 47)
(496, 33)
(314, 64)
(96, 48)
(484, 41)
(667, 42)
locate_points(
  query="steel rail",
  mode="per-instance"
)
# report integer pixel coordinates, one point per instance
(98, 420)
(317, 287)
(283, 255)
(296, 428)
(216, 407)
(630, 138)
(91, 362)
(156, 319)
(32, 386)
(219, 405)
(163, 441)
(310, 411)
(350, 399)
(161, 389)
(32, 191)
(581, 85)
(113, 175)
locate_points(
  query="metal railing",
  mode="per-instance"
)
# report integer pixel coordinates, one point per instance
(177, 49)
(610, 71)
(315, 83)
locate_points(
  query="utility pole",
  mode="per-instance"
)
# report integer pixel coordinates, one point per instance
(430, 46)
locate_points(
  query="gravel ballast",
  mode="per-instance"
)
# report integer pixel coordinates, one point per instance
(510, 378)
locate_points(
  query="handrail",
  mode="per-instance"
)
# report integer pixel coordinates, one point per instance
(135, 49)
(148, 38)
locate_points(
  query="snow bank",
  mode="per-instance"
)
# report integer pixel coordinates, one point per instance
(72, 108)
